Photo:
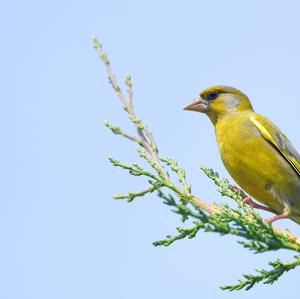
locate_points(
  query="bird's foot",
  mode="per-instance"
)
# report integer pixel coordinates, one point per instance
(284, 215)
(240, 191)
(252, 204)
(247, 200)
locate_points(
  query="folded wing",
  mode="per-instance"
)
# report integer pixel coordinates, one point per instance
(278, 140)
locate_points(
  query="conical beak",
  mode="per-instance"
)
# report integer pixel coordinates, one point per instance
(199, 105)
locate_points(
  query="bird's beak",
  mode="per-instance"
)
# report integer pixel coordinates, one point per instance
(199, 105)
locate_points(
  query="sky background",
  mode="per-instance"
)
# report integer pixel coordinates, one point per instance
(62, 234)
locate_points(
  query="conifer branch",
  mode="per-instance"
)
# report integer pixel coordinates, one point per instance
(240, 221)
(265, 276)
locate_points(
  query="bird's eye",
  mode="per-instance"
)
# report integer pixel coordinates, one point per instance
(212, 95)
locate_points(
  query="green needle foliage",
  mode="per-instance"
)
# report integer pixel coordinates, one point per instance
(241, 221)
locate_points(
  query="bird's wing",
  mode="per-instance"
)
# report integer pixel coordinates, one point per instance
(278, 140)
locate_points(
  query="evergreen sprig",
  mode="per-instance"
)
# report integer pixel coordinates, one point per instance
(240, 220)
(265, 276)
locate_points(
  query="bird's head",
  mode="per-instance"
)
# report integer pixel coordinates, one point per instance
(218, 101)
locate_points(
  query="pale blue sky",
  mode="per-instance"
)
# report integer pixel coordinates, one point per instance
(62, 234)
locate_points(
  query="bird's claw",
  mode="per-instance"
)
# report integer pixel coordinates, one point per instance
(240, 191)
(249, 202)
(284, 215)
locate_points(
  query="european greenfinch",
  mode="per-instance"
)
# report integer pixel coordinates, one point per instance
(257, 155)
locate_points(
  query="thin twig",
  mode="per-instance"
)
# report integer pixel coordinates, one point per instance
(128, 83)
(127, 104)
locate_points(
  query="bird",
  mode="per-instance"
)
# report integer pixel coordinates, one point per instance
(257, 155)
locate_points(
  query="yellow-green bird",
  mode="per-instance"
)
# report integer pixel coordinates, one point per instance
(257, 155)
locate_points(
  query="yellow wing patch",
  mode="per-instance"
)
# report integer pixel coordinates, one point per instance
(281, 143)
